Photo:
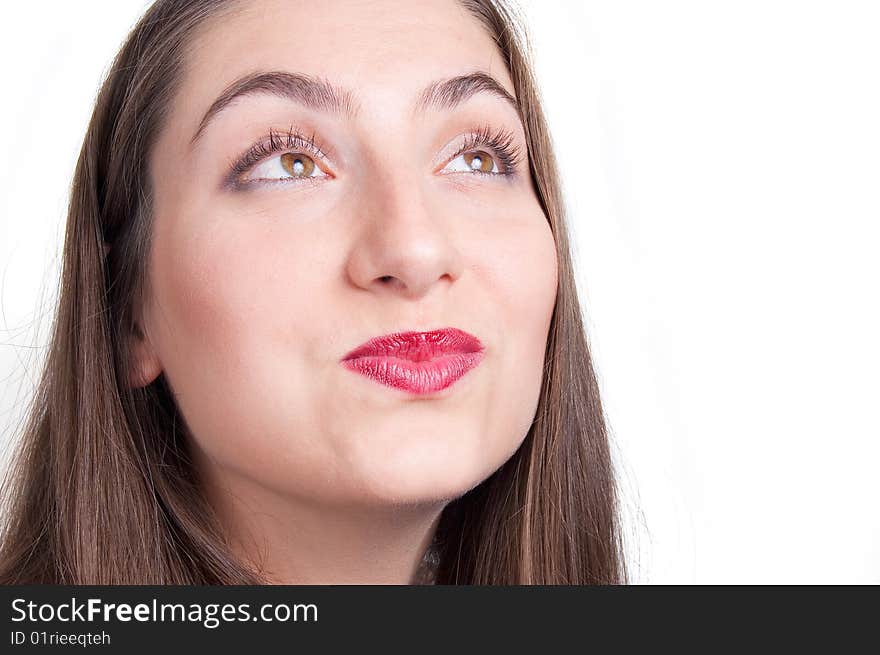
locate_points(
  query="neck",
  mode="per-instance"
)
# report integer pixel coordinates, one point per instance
(290, 540)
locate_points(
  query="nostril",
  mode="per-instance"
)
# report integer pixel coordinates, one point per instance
(385, 278)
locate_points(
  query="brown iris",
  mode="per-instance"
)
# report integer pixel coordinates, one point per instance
(479, 161)
(297, 165)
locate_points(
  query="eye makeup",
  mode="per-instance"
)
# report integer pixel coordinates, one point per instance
(501, 145)
(291, 140)
(498, 143)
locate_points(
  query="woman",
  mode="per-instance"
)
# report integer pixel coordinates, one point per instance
(317, 322)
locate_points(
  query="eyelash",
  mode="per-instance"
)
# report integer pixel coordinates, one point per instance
(275, 142)
(500, 142)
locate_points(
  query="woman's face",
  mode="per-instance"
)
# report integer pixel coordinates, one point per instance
(261, 280)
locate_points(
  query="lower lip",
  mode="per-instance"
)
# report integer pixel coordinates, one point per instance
(415, 377)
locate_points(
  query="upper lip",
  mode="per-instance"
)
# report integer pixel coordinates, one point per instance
(418, 346)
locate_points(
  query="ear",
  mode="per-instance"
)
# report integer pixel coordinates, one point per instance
(146, 364)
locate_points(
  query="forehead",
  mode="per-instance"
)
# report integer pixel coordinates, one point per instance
(384, 50)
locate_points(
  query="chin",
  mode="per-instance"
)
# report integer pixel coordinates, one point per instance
(428, 482)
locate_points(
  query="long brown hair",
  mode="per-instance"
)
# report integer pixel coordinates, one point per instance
(102, 489)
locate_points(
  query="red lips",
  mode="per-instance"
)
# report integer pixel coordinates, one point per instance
(418, 346)
(417, 362)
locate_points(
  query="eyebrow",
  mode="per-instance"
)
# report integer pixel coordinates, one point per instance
(320, 95)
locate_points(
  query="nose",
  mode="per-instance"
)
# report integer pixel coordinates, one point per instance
(406, 244)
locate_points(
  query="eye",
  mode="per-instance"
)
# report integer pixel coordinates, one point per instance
(478, 161)
(487, 151)
(280, 158)
(288, 165)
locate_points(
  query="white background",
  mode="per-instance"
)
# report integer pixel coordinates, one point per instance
(721, 162)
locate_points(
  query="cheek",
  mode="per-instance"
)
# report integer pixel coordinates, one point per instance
(527, 274)
(231, 310)
(228, 289)
(522, 270)
(522, 267)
